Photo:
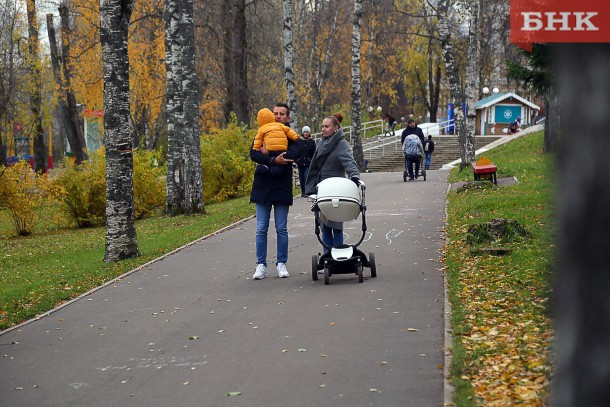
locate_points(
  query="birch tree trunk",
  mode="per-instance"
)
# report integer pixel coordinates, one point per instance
(73, 114)
(582, 304)
(291, 98)
(467, 141)
(453, 75)
(356, 101)
(121, 239)
(184, 183)
(35, 89)
(234, 61)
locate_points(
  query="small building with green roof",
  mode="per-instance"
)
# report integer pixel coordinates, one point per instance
(497, 111)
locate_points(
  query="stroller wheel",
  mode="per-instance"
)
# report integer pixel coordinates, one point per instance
(360, 273)
(372, 264)
(424, 173)
(404, 176)
(326, 276)
(314, 267)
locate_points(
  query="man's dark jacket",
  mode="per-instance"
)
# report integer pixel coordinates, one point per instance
(269, 188)
(415, 130)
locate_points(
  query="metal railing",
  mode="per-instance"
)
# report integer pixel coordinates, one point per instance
(367, 130)
(376, 129)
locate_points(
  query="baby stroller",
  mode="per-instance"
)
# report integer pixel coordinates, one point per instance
(422, 170)
(340, 200)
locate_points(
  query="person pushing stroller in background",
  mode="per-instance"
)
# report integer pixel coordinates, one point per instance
(413, 151)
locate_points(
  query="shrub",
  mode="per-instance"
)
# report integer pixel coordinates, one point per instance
(85, 186)
(148, 183)
(25, 195)
(226, 166)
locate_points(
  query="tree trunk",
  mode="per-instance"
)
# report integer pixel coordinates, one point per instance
(467, 142)
(291, 99)
(40, 154)
(552, 108)
(455, 87)
(322, 70)
(356, 101)
(234, 60)
(184, 180)
(76, 133)
(582, 303)
(121, 239)
(67, 125)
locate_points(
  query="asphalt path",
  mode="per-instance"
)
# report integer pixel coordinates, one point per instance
(194, 328)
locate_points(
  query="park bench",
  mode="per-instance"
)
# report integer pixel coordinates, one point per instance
(485, 169)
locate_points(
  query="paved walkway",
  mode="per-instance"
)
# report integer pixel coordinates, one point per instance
(192, 328)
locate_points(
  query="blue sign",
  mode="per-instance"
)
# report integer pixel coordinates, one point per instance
(507, 114)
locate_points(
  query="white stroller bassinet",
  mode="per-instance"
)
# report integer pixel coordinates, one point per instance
(339, 199)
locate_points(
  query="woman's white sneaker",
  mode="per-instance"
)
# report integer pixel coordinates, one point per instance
(281, 271)
(261, 272)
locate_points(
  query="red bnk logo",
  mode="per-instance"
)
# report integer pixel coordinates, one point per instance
(548, 21)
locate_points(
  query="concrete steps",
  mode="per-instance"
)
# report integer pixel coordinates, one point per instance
(388, 157)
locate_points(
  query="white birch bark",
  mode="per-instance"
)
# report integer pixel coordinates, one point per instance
(467, 146)
(291, 99)
(453, 75)
(356, 91)
(184, 184)
(121, 239)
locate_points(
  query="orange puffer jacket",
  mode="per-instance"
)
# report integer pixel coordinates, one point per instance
(272, 133)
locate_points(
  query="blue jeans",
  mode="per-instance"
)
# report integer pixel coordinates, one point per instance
(303, 171)
(280, 215)
(331, 237)
(428, 157)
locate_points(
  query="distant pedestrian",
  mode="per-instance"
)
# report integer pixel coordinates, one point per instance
(304, 160)
(390, 125)
(428, 150)
(413, 151)
(412, 128)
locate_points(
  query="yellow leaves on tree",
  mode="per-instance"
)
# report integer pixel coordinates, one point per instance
(146, 55)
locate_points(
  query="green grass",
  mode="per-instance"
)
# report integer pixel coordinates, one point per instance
(56, 264)
(500, 303)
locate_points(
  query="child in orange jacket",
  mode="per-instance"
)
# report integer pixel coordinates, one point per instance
(273, 134)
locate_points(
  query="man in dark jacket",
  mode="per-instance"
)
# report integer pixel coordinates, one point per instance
(272, 188)
(304, 160)
(412, 129)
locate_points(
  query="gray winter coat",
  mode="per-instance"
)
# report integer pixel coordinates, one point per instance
(333, 158)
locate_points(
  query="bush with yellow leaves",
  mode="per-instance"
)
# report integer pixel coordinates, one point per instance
(227, 169)
(26, 195)
(85, 185)
(148, 183)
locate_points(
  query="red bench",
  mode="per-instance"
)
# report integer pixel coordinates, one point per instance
(485, 169)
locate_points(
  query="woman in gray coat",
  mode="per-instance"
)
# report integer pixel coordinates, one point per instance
(333, 158)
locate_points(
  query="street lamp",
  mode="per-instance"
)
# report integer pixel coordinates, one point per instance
(496, 90)
(485, 90)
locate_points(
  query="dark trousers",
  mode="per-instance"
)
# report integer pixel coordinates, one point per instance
(303, 171)
(413, 159)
